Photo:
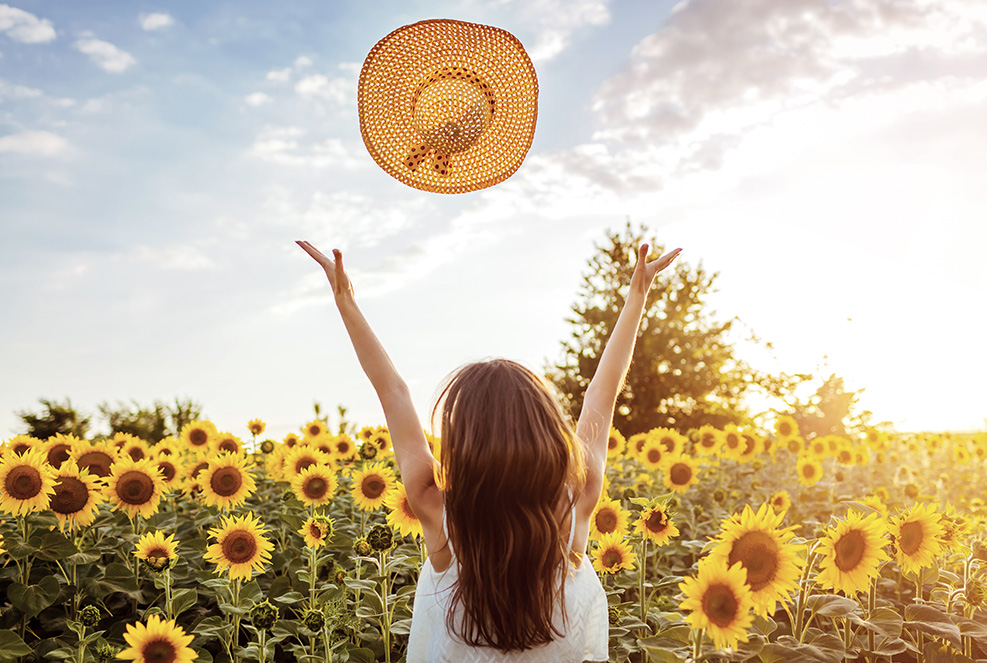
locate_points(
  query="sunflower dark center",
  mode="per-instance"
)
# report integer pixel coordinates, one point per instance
(406, 508)
(303, 463)
(611, 558)
(20, 448)
(136, 453)
(314, 430)
(748, 444)
(606, 521)
(198, 468)
(912, 535)
(849, 550)
(315, 531)
(343, 448)
(654, 455)
(71, 495)
(97, 462)
(167, 469)
(656, 522)
(612, 443)
(229, 445)
(159, 651)
(315, 488)
(680, 474)
(808, 470)
(198, 437)
(58, 454)
(158, 552)
(135, 488)
(785, 429)
(720, 605)
(226, 481)
(732, 441)
(23, 482)
(758, 552)
(668, 443)
(373, 487)
(708, 441)
(239, 547)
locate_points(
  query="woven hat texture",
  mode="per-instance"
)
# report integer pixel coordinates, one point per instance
(448, 106)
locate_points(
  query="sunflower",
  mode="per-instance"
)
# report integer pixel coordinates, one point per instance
(315, 428)
(316, 531)
(195, 435)
(795, 445)
(157, 551)
(616, 444)
(97, 458)
(274, 462)
(786, 427)
(652, 453)
(656, 524)
(18, 444)
(720, 601)
(315, 485)
(256, 427)
(772, 563)
(227, 442)
(195, 465)
(323, 443)
(135, 486)
(613, 554)
(368, 451)
(131, 445)
(170, 468)
(681, 472)
(809, 470)
(290, 440)
(241, 546)
(709, 442)
(635, 443)
(226, 483)
(852, 552)
(59, 447)
(916, 535)
(345, 448)
(161, 641)
(780, 501)
(365, 433)
(300, 457)
(672, 441)
(166, 447)
(608, 518)
(400, 515)
(382, 438)
(750, 447)
(27, 482)
(371, 485)
(78, 495)
(733, 442)
(819, 447)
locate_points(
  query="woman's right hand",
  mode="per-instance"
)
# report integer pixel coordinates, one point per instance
(338, 279)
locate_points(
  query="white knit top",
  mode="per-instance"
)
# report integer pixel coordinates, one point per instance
(586, 638)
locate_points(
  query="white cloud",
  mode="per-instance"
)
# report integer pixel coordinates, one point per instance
(25, 27)
(175, 258)
(280, 75)
(34, 143)
(337, 90)
(157, 21)
(282, 145)
(303, 61)
(554, 22)
(14, 91)
(257, 99)
(105, 54)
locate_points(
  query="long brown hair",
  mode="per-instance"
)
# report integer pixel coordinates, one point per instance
(508, 455)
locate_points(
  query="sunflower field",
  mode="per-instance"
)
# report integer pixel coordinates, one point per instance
(718, 545)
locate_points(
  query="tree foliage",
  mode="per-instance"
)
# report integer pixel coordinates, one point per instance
(684, 373)
(54, 419)
(152, 423)
(829, 411)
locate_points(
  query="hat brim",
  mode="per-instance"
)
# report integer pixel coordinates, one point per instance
(404, 61)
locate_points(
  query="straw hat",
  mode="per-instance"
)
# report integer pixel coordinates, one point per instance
(448, 106)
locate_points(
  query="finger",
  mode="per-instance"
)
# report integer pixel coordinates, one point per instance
(642, 253)
(312, 251)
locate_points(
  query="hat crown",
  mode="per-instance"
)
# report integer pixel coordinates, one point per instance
(451, 110)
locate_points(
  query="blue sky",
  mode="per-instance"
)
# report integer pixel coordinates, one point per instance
(157, 161)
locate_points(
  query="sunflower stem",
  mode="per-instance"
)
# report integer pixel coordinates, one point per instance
(871, 607)
(697, 644)
(640, 580)
(167, 584)
(801, 625)
(312, 571)
(234, 637)
(386, 616)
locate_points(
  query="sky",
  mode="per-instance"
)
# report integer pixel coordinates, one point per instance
(158, 161)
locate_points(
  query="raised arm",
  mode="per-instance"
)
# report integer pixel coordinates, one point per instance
(410, 448)
(596, 416)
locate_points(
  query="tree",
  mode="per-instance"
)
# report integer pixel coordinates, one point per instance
(152, 423)
(56, 418)
(830, 411)
(684, 373)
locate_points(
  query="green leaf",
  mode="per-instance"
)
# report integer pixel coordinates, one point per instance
(249, 594)
(11, 646)
(361, 655)
(183, 599)
(831, 605)
(931, 620)
(365, 585)
(885, 622)
(289, 599)
(32, 599)
(54, 546)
